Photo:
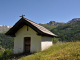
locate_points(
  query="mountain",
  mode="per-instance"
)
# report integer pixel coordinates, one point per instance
(74, 20)
(4, 28)
(68, 32)
(51, 25)
(54, 23)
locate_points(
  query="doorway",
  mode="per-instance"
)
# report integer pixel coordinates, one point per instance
(27, 41)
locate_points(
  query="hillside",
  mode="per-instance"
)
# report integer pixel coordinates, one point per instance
(68, 32)
(6, 41)
(59, 51)
(49, 27)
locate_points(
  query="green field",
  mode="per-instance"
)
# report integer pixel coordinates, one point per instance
(59, 51)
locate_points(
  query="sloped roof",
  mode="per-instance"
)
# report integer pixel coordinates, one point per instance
(38, 28)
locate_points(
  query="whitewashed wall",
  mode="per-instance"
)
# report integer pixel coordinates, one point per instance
(19, 40)
(46, 42)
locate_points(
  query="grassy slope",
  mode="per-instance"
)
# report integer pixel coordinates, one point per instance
(49, 27)
(59, 51)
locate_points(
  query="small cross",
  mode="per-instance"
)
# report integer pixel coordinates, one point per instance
(22, 16)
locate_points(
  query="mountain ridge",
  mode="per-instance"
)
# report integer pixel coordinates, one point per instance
(74, 20)
(61, 23)
(4, 28)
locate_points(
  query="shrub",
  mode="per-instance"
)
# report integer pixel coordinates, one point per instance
(6, 54)
(55, 40)
(1, 54)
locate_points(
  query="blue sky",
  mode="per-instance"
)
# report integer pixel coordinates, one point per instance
(39, 11)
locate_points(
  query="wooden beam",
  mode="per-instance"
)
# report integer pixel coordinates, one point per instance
(27, 27)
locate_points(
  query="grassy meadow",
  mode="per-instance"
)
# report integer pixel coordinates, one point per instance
(59, 51)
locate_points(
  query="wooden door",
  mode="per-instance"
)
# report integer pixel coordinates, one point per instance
(27, 44)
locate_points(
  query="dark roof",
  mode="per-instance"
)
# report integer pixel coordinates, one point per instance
(38, 28)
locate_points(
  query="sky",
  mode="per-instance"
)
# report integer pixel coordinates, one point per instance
(39, 11)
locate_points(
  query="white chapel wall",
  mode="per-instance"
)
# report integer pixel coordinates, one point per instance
(46, 42)
(19, 40)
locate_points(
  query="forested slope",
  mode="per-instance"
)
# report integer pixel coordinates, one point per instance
(68, 32)
(6, 41)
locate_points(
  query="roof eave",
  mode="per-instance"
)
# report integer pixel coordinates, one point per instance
(47, 35)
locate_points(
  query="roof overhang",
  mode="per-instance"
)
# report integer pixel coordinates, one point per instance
(19, 25)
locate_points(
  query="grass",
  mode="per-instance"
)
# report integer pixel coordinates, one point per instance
(59, 51)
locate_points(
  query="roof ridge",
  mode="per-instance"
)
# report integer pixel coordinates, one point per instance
(31, 21)
(43, 29)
